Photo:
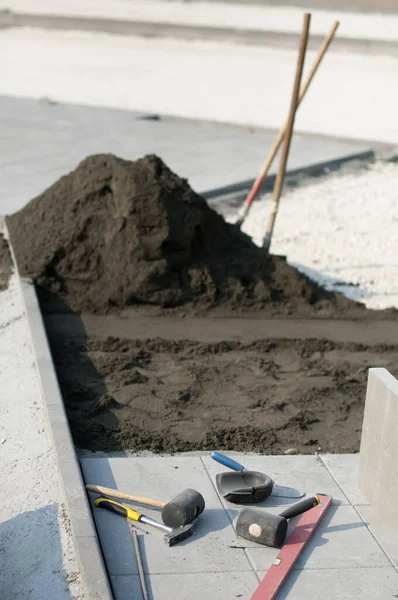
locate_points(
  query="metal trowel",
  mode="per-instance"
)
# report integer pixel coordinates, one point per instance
(244, 486)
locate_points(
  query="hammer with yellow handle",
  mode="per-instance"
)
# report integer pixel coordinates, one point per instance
(179, 511)
(172, 537)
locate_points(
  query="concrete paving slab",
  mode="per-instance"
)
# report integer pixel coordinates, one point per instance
(215, 586)
(386, 538)
(304, 473)
(344, 470)
(207, 551)
(47, 140)
(343, 547)
(344, 584)
(341, 541)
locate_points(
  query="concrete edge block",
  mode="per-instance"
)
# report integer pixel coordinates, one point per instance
(95, 580)
(378, 468)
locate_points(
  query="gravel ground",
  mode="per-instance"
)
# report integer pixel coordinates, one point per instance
(341, 230)
(37, 554)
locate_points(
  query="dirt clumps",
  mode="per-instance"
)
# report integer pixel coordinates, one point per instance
(115, 233)
(5, 263)
(175, 396)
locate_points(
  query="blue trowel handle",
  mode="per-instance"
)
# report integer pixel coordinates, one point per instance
(227, 462)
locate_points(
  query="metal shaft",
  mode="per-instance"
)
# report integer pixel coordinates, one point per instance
(149, 521)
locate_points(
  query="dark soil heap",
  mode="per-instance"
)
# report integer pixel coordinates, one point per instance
(115, 233)
(5, 263)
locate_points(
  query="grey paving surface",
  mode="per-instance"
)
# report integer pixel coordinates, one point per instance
(342, 584)
(350, 556)
(345, 473)
(43, 141)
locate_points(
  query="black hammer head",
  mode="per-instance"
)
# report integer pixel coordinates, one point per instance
(178, 535)
(262, 527)
(183, 509)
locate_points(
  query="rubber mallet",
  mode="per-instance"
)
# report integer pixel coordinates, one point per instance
(268, 529)
(172, 537)
(179, 511)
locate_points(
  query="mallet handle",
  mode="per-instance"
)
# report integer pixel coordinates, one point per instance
(280, 137)
(300, 507)
(99, 489)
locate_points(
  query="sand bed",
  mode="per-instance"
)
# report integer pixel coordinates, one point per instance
(132, 243)
(165, 395)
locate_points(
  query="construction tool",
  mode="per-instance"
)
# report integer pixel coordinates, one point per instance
(179, 511)
(277, 573)
(172, 537)
(244, 211)
(280, 177)
(244, 486)
(137, 553)
(268, 529)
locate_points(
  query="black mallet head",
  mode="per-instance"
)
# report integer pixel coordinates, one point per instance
(268, 529)
(183, 508)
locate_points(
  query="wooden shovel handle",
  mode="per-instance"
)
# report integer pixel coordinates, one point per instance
(99, 489)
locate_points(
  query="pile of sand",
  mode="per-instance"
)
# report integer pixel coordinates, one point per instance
(5, 263)
(115, 233)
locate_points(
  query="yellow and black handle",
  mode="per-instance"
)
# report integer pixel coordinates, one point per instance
(117, 507)
(128, 513)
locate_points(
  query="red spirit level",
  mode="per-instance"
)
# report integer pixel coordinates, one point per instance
(291, 550)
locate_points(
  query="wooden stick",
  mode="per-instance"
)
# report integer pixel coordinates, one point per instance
(289, 131)
(100, 489)
(279, 138)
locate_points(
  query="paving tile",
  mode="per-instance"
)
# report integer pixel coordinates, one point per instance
(385, 536)
(214, 586)
(304, 473)
(128, 587)
(344, 469)
(379, 583)
(210, 549)
(341, 541)
(117, 545)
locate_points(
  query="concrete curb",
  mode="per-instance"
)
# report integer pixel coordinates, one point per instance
(274, 39)
(92, 568)
(292, 176)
